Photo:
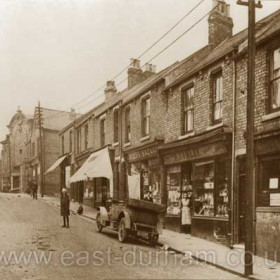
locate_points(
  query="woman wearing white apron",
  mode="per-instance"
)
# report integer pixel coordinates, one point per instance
(186, 214)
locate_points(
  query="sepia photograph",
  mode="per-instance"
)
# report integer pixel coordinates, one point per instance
(139, 139)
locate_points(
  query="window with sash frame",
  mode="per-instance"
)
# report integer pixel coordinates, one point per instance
(275, 80)
(146, 116)
(217, 97)
(188, 109)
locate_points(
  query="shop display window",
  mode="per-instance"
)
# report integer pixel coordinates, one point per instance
(269, 186)
(88, 189)
(211, 189)
(221, 203)
(173, 190)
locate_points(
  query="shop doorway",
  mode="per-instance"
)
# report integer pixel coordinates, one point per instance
(242, 202)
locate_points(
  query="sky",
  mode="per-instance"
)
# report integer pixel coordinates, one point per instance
(60, 52)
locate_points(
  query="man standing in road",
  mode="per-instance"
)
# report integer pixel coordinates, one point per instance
(65, 208)
(34, 189)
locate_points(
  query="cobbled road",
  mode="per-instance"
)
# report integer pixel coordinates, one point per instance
(35, 246)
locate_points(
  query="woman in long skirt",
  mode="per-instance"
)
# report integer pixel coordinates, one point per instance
(186, 214)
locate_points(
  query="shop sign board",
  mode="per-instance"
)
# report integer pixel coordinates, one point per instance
(142, 153)
(195, 153)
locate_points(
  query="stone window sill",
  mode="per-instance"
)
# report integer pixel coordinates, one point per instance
(187, 135)
(145, 138)
(271, 116)
(214, 126)
(126, 144)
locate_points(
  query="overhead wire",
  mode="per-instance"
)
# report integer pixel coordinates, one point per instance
(141, 55)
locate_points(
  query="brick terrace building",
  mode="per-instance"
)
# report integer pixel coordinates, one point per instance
(184, 130)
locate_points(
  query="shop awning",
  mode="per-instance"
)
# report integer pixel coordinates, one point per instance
(56, 164)
(97, 165)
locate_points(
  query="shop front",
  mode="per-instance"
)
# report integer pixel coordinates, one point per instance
(144, 171)
(199, 167)
(267, 147)
(93, 181)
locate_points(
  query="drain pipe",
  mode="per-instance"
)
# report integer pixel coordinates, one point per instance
(233, 165)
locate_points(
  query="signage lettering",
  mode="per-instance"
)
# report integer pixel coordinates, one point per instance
(195, 153)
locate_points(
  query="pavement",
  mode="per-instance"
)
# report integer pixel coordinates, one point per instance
(34, 246)
(220, 256)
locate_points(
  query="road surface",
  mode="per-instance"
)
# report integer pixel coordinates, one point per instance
(35, 246)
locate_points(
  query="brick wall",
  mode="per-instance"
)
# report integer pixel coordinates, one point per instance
(202, 102)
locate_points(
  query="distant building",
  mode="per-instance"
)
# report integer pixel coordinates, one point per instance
(21, 155)
(52, 122)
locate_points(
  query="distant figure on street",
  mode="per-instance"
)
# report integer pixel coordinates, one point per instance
(65, 208)
(80, 209)
(30, 187)
(34, 189)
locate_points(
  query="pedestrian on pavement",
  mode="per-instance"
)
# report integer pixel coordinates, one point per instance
(30, 187)
(80, 209)
(186, 213)
(34, 189)
(65, 208)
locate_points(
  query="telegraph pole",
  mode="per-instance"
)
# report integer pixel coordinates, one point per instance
(41, 158)
(250, 157)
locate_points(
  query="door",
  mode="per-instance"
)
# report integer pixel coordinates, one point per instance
(242, 203)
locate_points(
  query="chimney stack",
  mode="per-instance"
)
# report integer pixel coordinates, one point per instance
(220, 23)
(110, 89)
(134, 73)
(149, 70)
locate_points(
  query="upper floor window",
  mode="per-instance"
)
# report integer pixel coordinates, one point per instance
(86, 136)
(116, 126)
(217, 89)
(62, 144)
(102, 132)
(127, 124)
(188, 109)
(78, 139)
(70, 141)
(146, 116)
(275, 80)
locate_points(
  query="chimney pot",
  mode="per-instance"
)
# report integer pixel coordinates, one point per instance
(220, 23)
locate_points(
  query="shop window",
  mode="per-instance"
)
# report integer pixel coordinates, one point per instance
(204, 189)
(127, 125)
(217, 97)
(116, 126)
(221, 189)
(146, 116)
(86, 136)
(269, 187)
(102, 132)
(211, 189)
(275, 80)
(188, 109)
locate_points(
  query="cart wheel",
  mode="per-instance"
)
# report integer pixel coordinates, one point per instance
(122, 232)
(98, 222)
(153, 239)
